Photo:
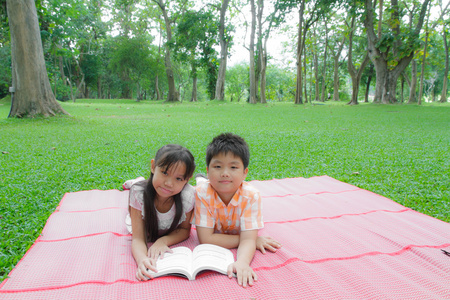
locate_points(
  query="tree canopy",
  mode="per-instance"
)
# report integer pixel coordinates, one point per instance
(155, 49)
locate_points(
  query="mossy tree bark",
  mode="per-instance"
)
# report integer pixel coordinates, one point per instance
(33, 95)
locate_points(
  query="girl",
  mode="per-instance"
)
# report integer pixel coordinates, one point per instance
(161, 207)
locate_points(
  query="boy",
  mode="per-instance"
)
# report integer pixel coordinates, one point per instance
(227, 210)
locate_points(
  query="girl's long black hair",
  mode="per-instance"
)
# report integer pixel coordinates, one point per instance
(166, 157)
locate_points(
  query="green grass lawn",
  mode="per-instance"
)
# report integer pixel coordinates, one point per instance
(398, 151)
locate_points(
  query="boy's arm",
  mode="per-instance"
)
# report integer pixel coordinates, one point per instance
(204, 223)
(207, 236)
(229, 241)
(245, 253)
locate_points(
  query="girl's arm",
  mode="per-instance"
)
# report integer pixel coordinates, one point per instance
(161, 245)
(229, 241)
(139, 246)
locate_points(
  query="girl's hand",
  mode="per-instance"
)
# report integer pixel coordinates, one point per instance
(158, 249)
(266, 242)
(146, 264)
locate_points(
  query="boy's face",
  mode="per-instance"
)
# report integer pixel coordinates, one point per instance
(226, 172)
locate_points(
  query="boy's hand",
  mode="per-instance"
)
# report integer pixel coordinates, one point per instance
(266, 242)
(244, 273)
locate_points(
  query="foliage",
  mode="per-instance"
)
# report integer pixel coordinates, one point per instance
(136, 57)
(195, 37)
(5, 69)
(237, 84)
(83, 34)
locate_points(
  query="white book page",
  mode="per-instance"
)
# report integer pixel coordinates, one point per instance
(180, 261)
(211, 257)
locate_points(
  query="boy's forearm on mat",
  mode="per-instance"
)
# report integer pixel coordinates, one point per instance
(207, 236)
(247, 246)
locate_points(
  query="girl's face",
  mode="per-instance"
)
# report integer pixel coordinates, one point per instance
(170, 182)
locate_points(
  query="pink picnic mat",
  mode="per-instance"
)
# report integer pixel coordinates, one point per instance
(339, 242)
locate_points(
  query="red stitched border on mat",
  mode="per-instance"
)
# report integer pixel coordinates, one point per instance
(287, 262)
(93, 210)
(266, 222)
(313, 193)
(83, 236)
(372, 253)
(339, 216)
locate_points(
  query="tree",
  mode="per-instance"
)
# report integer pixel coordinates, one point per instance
(336, 45)
(274, 19)
(33, 95)
(172, 95)
(5, 60)
(134, 57)
(237, 82)
(225, 39)
(393, 51)
(324, 69)
(308, 12)
(427, 30)
(196, 35)
(253, 86)
(413, 82)
(447, 58)
(355, 73)
(445, 28)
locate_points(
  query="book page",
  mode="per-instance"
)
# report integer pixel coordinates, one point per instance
(177, 262)
(211, 257)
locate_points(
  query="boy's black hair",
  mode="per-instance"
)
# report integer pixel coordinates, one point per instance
(166, 157)
(228, 142)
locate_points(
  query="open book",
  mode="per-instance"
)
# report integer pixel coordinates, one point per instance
(189, 263)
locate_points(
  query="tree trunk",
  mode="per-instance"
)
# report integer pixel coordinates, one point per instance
(61, 70)
(305, 81)
(336, 70)
(355, 74)
(99, 87)
(33, 95)
(402, 83)
(220, 85)
(259, 46)
(194, 84)
(263, 75)
(172, 95)
(262, 52)
(311, 81)
(316, 75)
(369, 79)
(387, 78)
(252, 55)
(324, 70)
(157, 92)
(419, 100)
(412, 87)
(444, 85)
(300, 46)
(423, 61)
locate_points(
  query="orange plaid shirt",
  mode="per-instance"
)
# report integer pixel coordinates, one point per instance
(244, 212)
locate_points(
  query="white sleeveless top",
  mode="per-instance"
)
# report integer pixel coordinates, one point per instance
(136, 200)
